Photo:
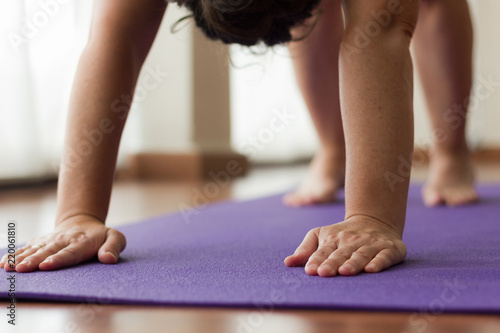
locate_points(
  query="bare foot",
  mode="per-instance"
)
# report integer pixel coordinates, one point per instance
(451, 180)
(325, 177)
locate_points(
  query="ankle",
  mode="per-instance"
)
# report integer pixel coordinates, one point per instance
(458, 150)
(336, 152)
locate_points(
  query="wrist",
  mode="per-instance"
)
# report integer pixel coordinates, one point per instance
(77, 218)
(394, 228)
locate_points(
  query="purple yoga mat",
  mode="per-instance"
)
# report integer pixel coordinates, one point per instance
(231, 254)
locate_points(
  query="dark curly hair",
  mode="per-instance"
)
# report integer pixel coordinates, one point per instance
(249, 22)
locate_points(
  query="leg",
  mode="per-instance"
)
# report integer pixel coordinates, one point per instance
(376, 86)
(443, 51)
(315, 60)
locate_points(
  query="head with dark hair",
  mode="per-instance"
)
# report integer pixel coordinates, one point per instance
(249, 22)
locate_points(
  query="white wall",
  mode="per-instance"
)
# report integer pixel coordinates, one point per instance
(188, 107)
(261, 86)
(487, 24)
(162, 119)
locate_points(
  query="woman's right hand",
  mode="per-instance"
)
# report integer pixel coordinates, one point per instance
(75, 240)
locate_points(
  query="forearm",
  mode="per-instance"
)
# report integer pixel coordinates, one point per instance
(94, 130)
(377, 110)
(121, 37)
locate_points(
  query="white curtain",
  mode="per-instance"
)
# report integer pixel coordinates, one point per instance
(41, 41)
(263, 85)
(40, 45)
(39, 48)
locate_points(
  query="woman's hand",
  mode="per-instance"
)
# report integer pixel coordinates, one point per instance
(349, 247)
(73, 241)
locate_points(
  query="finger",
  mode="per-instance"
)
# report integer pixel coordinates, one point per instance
(114, 244)
(19, 259)
(31, 262)
(304, 250)
(383, 260)
(4, 260)
(358, 261)
(19, 251)
(70, 255)
(318, 257)
(337, 258)
(7, 261)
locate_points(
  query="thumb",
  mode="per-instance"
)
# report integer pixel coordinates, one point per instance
(308, 246)
(113, 245)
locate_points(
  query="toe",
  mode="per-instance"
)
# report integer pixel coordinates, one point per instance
(451, 197)
(431, 196)
(309, 197)
(460, 197)
(472, 196)
(319, 200)
(297, 200)
(291, 200)
(469, 196)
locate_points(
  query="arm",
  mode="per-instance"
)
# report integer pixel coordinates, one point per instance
(121, 36)
(376, 81)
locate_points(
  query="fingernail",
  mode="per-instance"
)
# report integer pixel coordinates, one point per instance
(348, 267)
(312, 267)
(371, 266)
(327, 268)
(47, 260)
(25, 262)
(112, 254)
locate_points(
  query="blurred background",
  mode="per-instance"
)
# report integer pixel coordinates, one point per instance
(39, 49)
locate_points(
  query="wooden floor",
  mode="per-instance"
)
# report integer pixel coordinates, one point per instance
(34, 210)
